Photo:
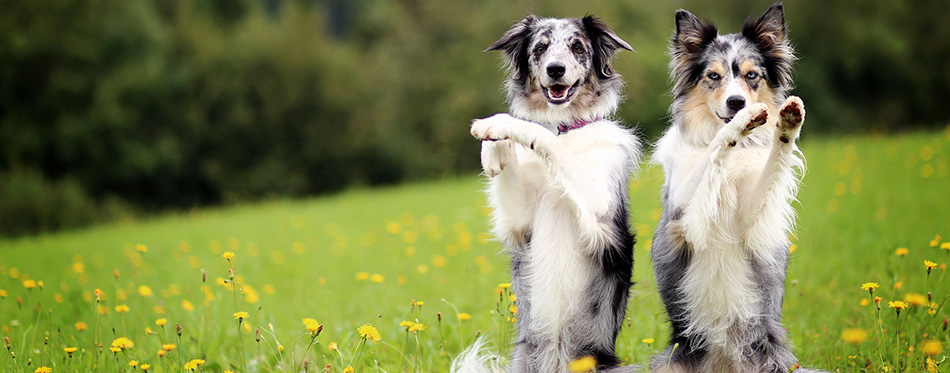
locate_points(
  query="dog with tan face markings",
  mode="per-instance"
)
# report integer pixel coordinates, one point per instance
(732, 170)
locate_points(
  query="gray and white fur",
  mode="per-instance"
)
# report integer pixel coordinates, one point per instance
(558, 169)
(732, 170)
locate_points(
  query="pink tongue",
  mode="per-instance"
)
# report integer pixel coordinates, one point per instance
(558, 91)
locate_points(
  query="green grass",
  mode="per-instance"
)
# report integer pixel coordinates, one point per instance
(861, 199)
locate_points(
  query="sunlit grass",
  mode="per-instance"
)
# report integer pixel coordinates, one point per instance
(401, 279)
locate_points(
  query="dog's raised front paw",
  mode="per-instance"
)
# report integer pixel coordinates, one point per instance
(743, 123)
(791, 117)
(496, 155)
(757, 115)
(493, 128)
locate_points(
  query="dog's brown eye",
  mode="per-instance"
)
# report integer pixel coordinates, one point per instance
(751, 75)
(713, 76)
(577, 48)
(539, 49)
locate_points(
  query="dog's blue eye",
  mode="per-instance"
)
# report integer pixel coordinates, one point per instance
(751, 75)
(713, 76)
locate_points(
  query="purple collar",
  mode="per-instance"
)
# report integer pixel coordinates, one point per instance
(564, 127)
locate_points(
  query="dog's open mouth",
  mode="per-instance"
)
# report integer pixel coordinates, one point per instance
(559, 93)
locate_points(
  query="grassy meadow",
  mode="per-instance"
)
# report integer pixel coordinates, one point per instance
(416, 264)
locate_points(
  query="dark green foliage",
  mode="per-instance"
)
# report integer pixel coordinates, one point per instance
(174, 104)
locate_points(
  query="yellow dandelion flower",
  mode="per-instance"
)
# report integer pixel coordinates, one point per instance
(122, 308)
(864, 302)
(161, 321)
(122, 343)
(513, 298)
(80, 326)
(931, 366)
(133, 363)
(168, 346)
(513, 309)
(931, 347)
(932, 308)
(43, 369)
(854, 336)
(368, 331)
(945, 246)
(420, 303)
(161, 353)
(148, 330)
(901, 251)
(240, 315)
(280, 347)
(115, 349)
(70, 350)
(187, 305)
(145, 291)
(194, 364)
(312, 326)
(464, 316)
(29, 284)
(332, 346)
(377, 278)
(505, 285)
(406, 324)
(3, 293)
(898, 285)
(929, 265)
(416, 327)
(227, 255)
(584, 364)
(362, 276)
(648, 340)
(897, 306)
(915, 299)
(145, 367)
(870, 287)
(349, 370)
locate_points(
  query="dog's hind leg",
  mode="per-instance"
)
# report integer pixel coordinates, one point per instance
(769, 214)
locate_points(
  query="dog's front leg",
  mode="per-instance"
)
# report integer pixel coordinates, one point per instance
(511, 193)
(588, 180)
(769, 214)
(707, 199)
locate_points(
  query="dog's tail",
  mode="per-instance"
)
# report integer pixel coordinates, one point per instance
(477, 359)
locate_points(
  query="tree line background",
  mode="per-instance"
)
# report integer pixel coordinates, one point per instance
(123, 108)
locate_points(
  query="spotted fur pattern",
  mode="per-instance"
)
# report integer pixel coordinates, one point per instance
(732, 169)
(560, 200)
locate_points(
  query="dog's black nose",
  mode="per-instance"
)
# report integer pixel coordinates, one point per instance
(735, 103)
(556, 70)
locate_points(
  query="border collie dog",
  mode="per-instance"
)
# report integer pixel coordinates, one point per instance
(732, 170)
(559, 168)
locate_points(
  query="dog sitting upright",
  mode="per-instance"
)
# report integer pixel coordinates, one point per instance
(730, 160)
(559, 168)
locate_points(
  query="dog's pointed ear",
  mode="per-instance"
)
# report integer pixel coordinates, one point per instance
(770, 34)
(692, 34)
(515, 44)
(604, 44)
(769, 29)
(515, 36)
